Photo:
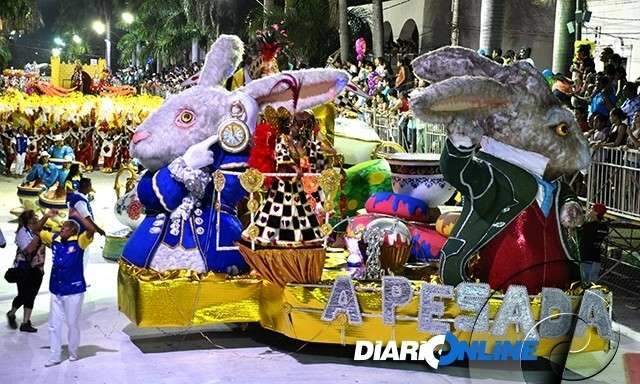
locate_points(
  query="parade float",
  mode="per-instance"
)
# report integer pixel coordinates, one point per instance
(243, 197)
(128, 210)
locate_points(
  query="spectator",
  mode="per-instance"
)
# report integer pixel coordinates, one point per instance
(581, 118)
(600, 129)
(606, 54)
(381, 67)
(584, 63)
(592, 236)
(631, 104)
(562, 88)
(29, 259)
(496, 55)
(67, 285)
(404, 100)
(404, 77)
(364, 71)
(633, 139)
(509, 57)
(618, 133)
(603, 99)
(525, 55)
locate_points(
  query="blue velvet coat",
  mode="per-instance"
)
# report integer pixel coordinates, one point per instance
(161, 194)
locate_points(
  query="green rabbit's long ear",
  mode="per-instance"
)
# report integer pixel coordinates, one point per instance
(446, 62)
(471, 97)
(223, 58)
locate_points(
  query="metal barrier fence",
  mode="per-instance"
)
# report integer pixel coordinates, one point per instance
(404, 129)
(614, 180)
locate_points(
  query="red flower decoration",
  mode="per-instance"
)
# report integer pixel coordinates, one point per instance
(134, 210)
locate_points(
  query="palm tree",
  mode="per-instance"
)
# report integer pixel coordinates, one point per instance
(269, 9)
(306, 21)
(16, 15)
(378, 28)
(562, 39)
(491, 24)
(344, 30)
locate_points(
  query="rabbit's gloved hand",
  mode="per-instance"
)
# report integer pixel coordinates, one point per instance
(572, 215)
(199, 155)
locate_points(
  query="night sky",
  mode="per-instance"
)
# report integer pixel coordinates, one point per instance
(37, 44)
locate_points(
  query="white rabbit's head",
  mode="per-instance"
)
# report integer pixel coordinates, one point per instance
(475, 96)
(196, 113)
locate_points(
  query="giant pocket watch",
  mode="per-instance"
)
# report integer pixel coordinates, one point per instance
(233, 132)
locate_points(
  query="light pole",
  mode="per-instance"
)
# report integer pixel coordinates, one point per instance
(105, 28)
(100, 28)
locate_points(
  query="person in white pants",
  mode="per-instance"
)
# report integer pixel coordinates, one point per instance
(21, 144)
(67, 285)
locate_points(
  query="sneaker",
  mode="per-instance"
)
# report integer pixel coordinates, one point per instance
(27, 327)
(73, 357)
(11, 318)
(51, 363)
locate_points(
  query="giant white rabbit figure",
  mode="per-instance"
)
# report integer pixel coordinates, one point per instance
(192, 134)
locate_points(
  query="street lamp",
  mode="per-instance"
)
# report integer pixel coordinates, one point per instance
(76, 39)
(127, 18)
(99, 27)
(59, 41)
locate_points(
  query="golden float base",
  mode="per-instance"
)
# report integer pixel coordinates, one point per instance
(283, 266)
(182, 299)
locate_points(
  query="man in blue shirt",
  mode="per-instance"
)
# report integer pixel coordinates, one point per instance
(60, 151)
(66, 284)
(603, 99)
(632, 103)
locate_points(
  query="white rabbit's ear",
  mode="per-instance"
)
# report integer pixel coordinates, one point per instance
(310, 87)
(468, 97)
(446, 62)
(223, 58)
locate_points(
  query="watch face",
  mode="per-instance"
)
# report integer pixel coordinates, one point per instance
(234, 137)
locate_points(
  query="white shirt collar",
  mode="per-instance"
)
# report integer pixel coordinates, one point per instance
(530, 161)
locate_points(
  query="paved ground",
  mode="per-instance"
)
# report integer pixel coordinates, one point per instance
(115, 351)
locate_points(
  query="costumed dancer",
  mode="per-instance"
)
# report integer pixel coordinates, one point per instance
(42, 173)
(108, 150)
(286, 218)
(72, 182)
(260, 58)
(85, 149)
(509, 143)
(59, 150)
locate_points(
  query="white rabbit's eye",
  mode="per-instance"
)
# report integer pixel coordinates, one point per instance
(562, 129)
(185, 119)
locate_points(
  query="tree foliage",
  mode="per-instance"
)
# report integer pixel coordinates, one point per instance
(312, 26)
(16, 15)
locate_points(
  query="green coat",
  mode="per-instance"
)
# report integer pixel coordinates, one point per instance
(495, 193)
